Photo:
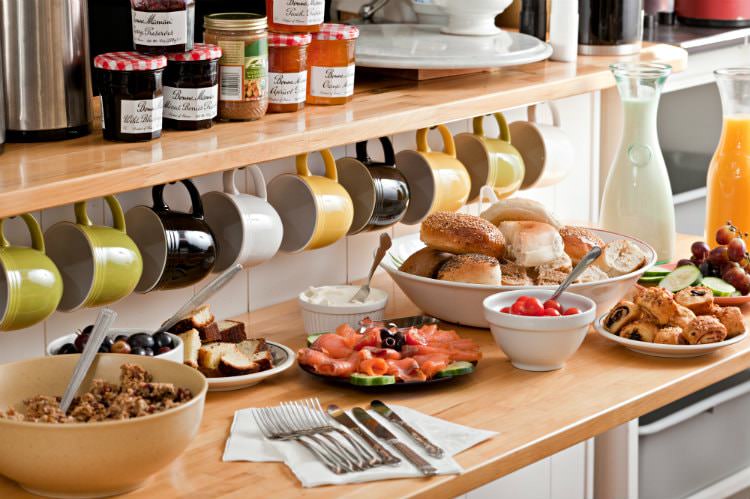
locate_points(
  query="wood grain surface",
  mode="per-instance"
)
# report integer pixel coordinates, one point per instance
(41, 175)
(536, 414)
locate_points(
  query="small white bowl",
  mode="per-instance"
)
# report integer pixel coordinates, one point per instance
(323, 318)
(175, 355)
(538, 343)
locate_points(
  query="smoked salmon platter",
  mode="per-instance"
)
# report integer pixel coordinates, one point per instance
(380, 354)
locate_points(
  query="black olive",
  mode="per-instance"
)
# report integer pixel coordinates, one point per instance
(67, 349)
(162, 340)
(88, 330)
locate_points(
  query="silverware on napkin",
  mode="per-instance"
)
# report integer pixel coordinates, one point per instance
(385, 411)
(343, 418)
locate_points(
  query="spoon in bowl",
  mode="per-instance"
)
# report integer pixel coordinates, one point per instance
(587, 260)
(363, 292)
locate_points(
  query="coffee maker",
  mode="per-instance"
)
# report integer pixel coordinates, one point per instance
(610, 27)
(47, 77)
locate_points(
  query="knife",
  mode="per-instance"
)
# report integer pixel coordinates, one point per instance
(385, 457)
(385, 411)
(383, 433)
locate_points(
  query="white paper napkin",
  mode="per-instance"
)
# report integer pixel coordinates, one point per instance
(246, 443)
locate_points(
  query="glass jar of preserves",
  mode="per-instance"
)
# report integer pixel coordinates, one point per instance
(287, 71)
(191, 88)
(243, 67)
(330, 62)
(298, 16)
(130, 85)
(162, 26)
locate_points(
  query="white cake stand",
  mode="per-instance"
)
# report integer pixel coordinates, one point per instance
(423, 46)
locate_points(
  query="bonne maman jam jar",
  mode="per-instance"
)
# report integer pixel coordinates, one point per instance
(191, 88)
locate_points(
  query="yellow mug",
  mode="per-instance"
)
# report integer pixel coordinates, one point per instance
(315, 211)
(437, 180)
(491, 161)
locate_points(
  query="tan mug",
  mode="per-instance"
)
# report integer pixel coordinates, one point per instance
(437, 180)
(490, 161)
(315, 211)
(547, 151)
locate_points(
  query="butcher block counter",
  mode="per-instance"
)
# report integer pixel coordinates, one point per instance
(536, 414)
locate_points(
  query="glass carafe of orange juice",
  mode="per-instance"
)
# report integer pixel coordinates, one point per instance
(728, 182)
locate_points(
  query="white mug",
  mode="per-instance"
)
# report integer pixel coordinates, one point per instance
(247, 229)
(547, 151)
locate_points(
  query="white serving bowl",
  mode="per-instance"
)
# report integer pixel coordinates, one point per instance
(175, 355)
(472, 17)
(461, 303)
(319, 318)
(539, 343)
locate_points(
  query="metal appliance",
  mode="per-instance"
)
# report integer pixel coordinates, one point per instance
(47, 77)
(714, 13)
(610, 27)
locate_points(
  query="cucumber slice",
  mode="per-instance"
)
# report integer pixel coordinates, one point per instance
(365, 380)
(651, 280)
(311, 339)
(681, 278)
(456, 369)
(657, 272)
(720, 287)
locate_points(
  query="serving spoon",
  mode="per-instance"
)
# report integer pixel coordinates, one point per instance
(385, 244)
(587, 260)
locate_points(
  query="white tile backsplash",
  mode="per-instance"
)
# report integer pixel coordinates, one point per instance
(286, 275)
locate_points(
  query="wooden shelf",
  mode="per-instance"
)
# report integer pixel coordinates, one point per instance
(42, 175)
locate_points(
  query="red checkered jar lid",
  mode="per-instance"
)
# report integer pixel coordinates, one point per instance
(337, 32)
(129, 61)
(200, 52)
(289, 39)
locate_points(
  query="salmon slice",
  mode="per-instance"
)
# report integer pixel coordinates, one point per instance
(385, 353)
(374, 366)
(334, 345)
(406, 370)
(327, 366)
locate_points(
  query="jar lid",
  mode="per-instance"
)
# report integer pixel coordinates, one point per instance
(337, 32)
(230, 21)
(289, 39)
(200, 52)
(129, 61)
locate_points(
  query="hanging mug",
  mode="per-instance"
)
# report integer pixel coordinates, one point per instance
(178, 248)
(437, 179)
(99, 264)
(547, 151)
(30, 284)
(246, 227)
(378, 190)
(315, 211)
(490, 161)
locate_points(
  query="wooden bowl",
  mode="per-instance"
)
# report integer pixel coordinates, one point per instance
(92, 459)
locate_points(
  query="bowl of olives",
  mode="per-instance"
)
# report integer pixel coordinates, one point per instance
(129, 341)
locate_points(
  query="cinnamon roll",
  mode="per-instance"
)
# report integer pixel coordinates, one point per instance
(621, 314)
(682, 318)
(639, 331)
(732, 319)
(699, 299)
(705, 329)
(658, 302)
(669, 336)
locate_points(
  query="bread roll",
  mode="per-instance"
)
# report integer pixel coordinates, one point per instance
(471, 268)
(732, 319)
(515, 275)
(579, 241)
(621, 315)
(705, 329)
(460, 233)
(425, 262)
(658, 303)
(518, 210)
(699, 299)
(669, 336)
(683, 317)
(621, 257)
(639, 331)
(532, 244)
(592, 274)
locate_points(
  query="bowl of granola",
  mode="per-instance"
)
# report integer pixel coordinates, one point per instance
(132, 417)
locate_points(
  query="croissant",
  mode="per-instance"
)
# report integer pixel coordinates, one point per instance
(639, 331)
(669, 336)
(705, 329)
(621, 314)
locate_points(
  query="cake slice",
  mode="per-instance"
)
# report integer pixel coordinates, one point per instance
(209, 357)
(236, 363)
(264, 359)
(198, 318)
(232, 331)
(191, 343)
(251, 347)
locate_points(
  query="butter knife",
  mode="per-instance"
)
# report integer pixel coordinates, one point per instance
(384, 434)
(385, 411)
(339, 415)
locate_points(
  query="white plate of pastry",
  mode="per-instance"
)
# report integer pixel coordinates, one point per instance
(458, 260)
(659, 323)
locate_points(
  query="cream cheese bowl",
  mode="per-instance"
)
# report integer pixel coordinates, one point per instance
(461, 303)
(93, 459)
(324, 308)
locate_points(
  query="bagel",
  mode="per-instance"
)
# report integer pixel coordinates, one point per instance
(519, 210)
(459, 233)
(472, 268)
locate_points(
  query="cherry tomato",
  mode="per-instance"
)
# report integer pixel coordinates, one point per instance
(553, 304)
(533, 307)
(553, 312)
(505, 310)
(517, 308)
(572, 311)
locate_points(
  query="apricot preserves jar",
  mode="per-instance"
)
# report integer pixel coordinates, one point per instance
(298, 16)
(330, 61)
(287, 71)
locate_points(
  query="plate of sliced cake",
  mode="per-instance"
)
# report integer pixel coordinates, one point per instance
(223, 352)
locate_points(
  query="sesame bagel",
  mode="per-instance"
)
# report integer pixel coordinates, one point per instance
(460, 233)
(472, 268)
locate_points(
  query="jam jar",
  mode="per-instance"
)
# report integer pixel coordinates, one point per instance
(191, 88)
(243, 67)
(330, 62)
(299, 16)
(287, 71)
(162, 26)
(131, 93)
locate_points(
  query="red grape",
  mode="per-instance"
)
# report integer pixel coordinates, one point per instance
(744, 286)
(736, 249)
(718, 255)
(726, 234)
(700, 250)
(684, 262)
(735, 276)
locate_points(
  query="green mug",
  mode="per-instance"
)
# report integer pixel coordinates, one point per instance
(30, 284)
(99, 264)
(491, 161)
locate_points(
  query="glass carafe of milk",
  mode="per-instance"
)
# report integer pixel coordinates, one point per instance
(637, 198)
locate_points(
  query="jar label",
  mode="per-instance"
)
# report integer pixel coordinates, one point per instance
(160, 29)
(243, 70)
(298, 12)
(332, 82)
(287, 88)
(141, 116)
(191, 104)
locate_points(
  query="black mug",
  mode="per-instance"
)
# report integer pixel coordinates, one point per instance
(378, 189)
(178, 248)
